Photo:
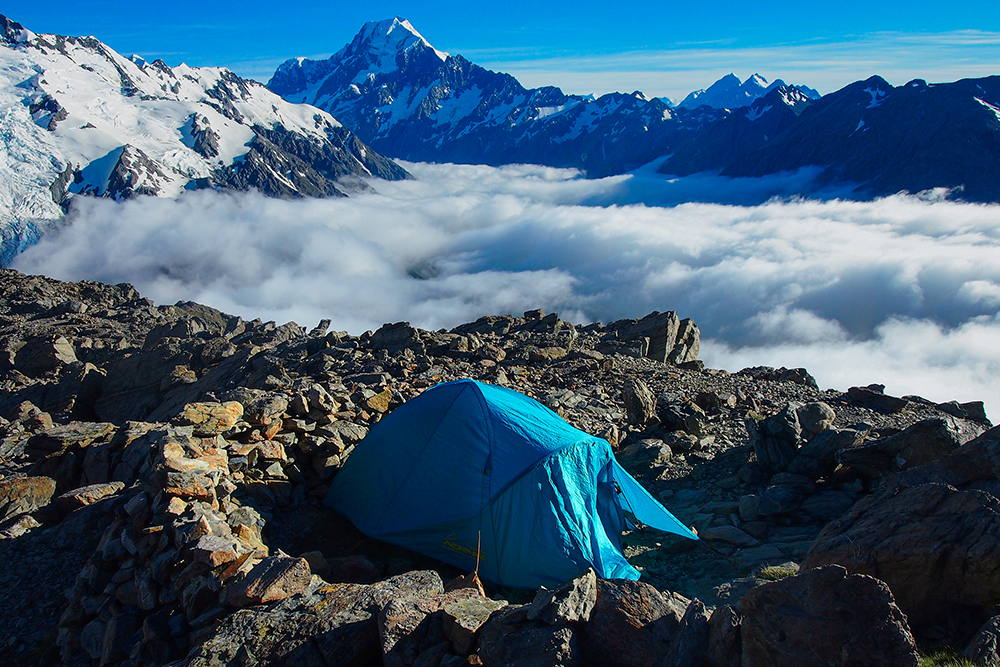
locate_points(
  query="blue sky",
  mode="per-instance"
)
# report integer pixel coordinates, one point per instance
(661, 48)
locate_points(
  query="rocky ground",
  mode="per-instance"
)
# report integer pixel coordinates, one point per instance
(162, 471)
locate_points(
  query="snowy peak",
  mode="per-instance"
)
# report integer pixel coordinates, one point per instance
(730, 93)
(393, 37)
(12, 32)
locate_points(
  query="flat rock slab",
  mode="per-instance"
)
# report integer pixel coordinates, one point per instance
(210, 418)
(20, 495)
(87, 495)
(325, 625)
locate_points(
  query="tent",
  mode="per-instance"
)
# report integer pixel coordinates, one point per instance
(475, 474)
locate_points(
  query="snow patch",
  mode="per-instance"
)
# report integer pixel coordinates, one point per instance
(877, 95)
(994, 109)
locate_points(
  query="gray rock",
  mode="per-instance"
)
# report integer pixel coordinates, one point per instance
(690, 645)
(984, 649)
(509, 639)
(776, 439)
(640, 406)
(569, 603)
(815, 418)
(825, 617)
(725, 648)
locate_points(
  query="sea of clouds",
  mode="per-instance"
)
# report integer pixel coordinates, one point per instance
(903, 291)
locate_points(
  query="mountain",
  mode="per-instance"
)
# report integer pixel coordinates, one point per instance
(886, 139)
(80, 119)
(729, 93)
(412, 101)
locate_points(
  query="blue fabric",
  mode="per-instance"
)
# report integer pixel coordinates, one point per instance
(469, 468)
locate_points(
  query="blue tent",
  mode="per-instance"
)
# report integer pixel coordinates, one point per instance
(469, 470)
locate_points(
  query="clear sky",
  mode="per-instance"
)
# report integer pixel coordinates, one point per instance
(662, 48)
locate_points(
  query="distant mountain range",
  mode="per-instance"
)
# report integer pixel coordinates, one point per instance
(79, 118)
(412, 101)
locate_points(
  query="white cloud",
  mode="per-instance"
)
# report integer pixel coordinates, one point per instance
(903, 290)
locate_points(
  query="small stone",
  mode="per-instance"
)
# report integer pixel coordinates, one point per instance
(214, 550)
(463, 618)
(210, 418)
(20, 495)
(569, 603)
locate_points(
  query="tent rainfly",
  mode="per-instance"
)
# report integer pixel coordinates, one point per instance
(480, 476)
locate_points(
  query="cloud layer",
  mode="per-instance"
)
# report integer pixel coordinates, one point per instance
(904, 290)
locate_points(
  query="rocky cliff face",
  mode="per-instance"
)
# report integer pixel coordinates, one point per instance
(162, 470)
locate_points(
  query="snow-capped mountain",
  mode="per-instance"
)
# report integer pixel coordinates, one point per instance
(412, 101)
(78, 118)
(729, 93)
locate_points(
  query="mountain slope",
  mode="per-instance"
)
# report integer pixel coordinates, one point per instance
(78, 118)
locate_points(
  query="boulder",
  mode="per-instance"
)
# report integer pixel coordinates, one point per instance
(923, 442)
(325, 625)
(21, 495)
(463, 617)
(631, 621)
(815, 417)
(937, 548)
(640, 406)
(396, 337)
(725, 647)
(874, 398)
(825, 617)
(639, 457)
(274, 578)
(817, 458)
(984, 649)
(691, 642)
(510, 639)
(569, 603)
(776, 439)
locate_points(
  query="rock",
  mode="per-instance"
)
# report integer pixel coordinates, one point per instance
(984, 649)
(464, 616)
(324, 626)
(210, 419)
(21, 495)
(815, 417)
(873, 398)
(631, 621)
(796, 375)
(214, 551)
(725, 647)
(639, 457)
(396, 337)
(640, 406)
(923, 442)
(817, 458)
(509, 639)
(776, 439)
(825, 617)
(728, 535)
(569, 603)
(44, 354)
(274, 578)
(18, 526)
(691, 642)
(56, 440)
(937, 548)
(87, 495)
(687, 344)
(686, 417)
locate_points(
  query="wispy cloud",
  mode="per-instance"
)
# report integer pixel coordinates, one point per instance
(903, 290)
(825, 65)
